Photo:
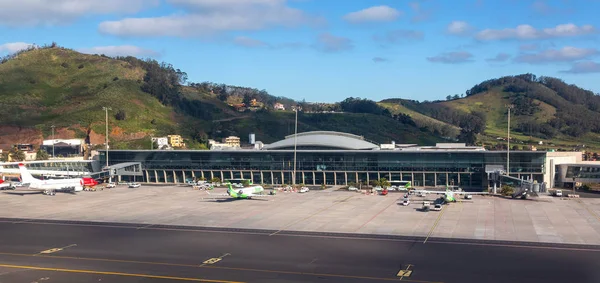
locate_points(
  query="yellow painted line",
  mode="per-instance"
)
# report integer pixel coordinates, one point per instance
(214, 259)
(310, 215)
(435, 224)
(589, 210)
(220, 267)
(366, 236)
(404, 272)
(321, 274)
(56, 249)
(114, 273)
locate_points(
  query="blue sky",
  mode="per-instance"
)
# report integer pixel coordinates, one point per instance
(327, 50)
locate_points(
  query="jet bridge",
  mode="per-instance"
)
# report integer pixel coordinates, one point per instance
(116, 171)
(523, 188)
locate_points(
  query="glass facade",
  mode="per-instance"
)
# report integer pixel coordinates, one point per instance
(424, 168)
(77, 166)
(583, 172)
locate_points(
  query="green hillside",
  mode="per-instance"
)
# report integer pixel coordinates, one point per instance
(270, 127)
(546, 109)
(445, 129)
(58, 86)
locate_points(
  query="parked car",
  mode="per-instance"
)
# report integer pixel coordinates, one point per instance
(134, 185)
(111, 185)
(352, 188)
(304, 190)
(437, 207)
(405, 202)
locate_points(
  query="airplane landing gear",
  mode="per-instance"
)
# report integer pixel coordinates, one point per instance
(49, 192)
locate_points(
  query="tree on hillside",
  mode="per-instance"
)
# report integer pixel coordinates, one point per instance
(456, 96)
(120, 115)
(471, 126)
(16, 154)
(247, 100)
(404, 119)
(383, 182)
(358, 105)
(449, 97)
(42, 155)
(4, 157)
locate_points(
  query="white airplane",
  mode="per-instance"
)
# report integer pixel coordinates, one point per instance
(244, 193)
(49, 187)
(6, 186)
(449, 195)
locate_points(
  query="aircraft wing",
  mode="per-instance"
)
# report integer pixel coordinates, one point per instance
(456, 193)
(471, 193)
(430, 192)
(255, 195)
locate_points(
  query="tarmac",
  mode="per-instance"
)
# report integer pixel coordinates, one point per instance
(46, 251)
(542, 220)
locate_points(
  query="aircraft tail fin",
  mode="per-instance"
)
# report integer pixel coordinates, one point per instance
(26, 177)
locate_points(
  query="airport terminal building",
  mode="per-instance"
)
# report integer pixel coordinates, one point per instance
(331, 158)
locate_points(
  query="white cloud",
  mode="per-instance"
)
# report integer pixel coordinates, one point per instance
(380, 59)
(327, 42)
(455, 57)
(51, 12)
(542, 7)
(207, 17)
(500, 57)
(420, 14)
(459, 28)
(529, 32)
(374, 14)
(565, 54)
(399, 35)
(249, 42)
(14, 47)
(120, 50)
(223, 4)
(584, 68)
(528, 47)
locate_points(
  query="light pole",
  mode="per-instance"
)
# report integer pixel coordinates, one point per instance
(295, 145)
(509, 106)
(53, 142)
(106, 121)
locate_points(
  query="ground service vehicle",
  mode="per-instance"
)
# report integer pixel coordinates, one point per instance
(426, 206)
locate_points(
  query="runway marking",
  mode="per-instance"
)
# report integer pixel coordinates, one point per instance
(589, 210)
(404, 272)
(313, 261)
(214, 260)
(322, 274)
(362, 237)
(24, 221)
(114, 273)
(374, 216)
(434, 225)
(144, 227)
(56, 249)
(218, 267)
(310, 215)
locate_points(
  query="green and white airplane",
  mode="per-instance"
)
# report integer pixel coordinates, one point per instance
(449, 195)
(244, 193)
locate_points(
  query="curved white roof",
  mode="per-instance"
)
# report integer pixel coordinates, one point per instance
(325, 139)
